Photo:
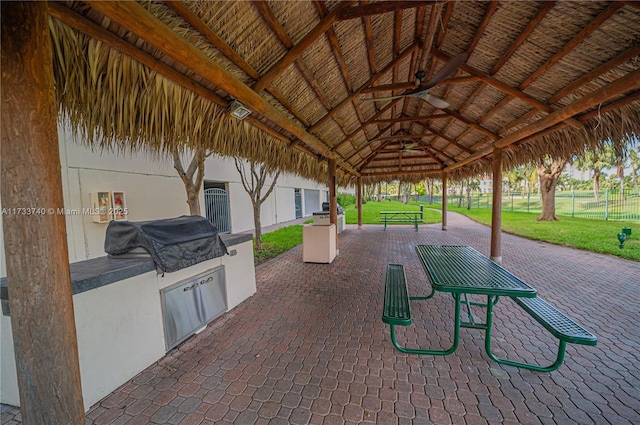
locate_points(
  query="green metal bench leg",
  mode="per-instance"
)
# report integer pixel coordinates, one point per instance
(456, 337)
(433, 291)
(487, 345)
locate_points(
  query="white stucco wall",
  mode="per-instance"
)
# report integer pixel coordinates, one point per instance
(154, 191)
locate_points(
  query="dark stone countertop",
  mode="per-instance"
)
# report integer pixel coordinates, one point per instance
(97, 272)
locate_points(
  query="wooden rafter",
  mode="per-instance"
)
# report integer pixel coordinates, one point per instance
(443, 136)
(411, 119)
(491, 9)
(508, 89)
(136, 19)
(579, 38)
(182, 10)
(80, 23)
(404, 137)
(378, 8)
(390, 87)
(290, 57)
(524, 35)
(471, 123)
(369, 142)
(364, 125)
(629, 82)
(602, 69)
(372, 80)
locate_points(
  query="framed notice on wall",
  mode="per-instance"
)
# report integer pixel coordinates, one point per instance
(101, 207)
(119, 205)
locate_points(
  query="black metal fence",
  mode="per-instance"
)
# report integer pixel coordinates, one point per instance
(605, 205)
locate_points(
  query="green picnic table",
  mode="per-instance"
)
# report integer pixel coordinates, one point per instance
(412, 217)
(463, 271)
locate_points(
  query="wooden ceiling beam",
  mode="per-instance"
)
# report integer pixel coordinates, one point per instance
(378, 8)
(495, 109)
(272, 22)
(368, 142)
(362, 127)
(524, 35)
(452, 142)
(628, 83)
(404, 136)
(404, 172)
(632, 97)
(508, 89)
(135, 18)
(575, 41)
(602, 69)
(390, 87)
(306, 42)
(371, 80)
(80, 23)
(411, 119)
(374, 152)
(192, 19)
(335, 46)
(491, 9)
(472, 124)
(432, 28)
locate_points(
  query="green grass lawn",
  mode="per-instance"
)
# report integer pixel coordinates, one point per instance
(371, 212)
(276, 242)
(591, 235)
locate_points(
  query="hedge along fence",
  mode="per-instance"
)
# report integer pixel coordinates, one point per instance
(607, 205)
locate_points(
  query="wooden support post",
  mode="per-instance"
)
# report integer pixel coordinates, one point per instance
(444, 201)
(40, 299)
(359, 201)
(496, 210)
(333, 202)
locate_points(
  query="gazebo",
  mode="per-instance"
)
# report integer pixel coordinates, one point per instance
(349, 92)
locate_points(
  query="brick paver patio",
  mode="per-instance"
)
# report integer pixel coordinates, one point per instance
(310, 346)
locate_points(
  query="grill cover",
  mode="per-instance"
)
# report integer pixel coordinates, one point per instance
(173, 243)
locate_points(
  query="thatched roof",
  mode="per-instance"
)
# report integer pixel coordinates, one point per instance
(540, 78)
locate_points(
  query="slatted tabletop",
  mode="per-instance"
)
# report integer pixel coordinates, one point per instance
(462, 269)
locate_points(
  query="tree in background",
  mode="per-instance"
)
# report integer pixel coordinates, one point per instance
(596, 161)
(253, 181)
(549, 170)
(634, 159)
(192, 177)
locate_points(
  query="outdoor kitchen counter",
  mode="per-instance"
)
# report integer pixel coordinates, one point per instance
(119, 315)
(97, 272)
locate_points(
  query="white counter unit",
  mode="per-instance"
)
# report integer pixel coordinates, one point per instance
(119, 324)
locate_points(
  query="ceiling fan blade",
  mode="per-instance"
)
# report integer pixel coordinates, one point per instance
(435, 101)
(448, 69)
(376, 99)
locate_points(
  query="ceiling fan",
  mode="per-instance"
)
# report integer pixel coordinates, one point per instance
(422, 92)
(410, 147)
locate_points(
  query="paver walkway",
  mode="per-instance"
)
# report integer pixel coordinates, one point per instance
(310, 346)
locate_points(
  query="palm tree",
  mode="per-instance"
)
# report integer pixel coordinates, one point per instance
(596, 161)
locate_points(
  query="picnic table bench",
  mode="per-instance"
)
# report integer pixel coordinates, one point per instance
(463, 271)
(412, 217)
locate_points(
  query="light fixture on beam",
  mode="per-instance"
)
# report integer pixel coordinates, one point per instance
(238, 110)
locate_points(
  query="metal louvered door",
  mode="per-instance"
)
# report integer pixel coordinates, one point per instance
(216, 203)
